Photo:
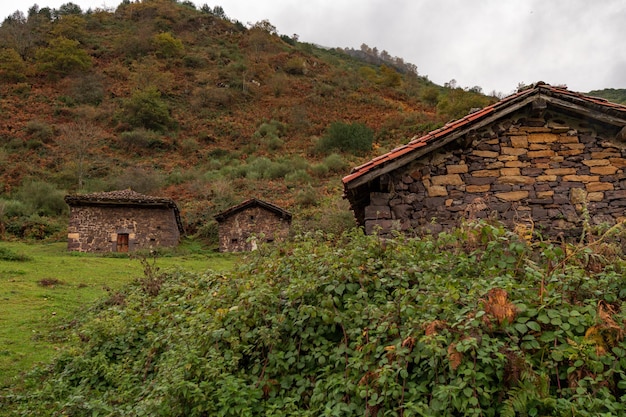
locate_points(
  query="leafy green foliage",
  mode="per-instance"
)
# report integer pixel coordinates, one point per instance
(6, 254)
(145, 108)
(12, 66)
(62, 57)
(616, 95)
(475, 322)
(167, 46)
(42, 198)
(353, 137)
(455, 103)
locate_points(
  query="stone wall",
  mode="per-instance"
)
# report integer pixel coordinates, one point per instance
(551, 171)
(95, 228)
(236, 232)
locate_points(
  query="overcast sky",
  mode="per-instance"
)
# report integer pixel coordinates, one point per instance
(494, 44)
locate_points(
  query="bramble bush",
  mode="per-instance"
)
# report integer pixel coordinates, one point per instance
(475, 322)
(354, 138)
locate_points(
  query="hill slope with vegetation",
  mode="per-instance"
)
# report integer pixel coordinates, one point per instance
(476, 322)
(193, 105)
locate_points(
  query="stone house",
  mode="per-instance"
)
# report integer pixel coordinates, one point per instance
(544, 157)
(121, 221)
(241, 227)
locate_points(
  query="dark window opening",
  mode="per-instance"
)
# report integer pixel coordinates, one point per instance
(234, 240)
(251, 218)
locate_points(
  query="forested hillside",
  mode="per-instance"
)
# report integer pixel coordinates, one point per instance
(192, 104)
(616, 95)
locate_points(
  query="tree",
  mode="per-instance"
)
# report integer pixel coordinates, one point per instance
(167, 46)
(12, 66)
(69, 9)
(70, 27)
(62, 57)
(389, 76)
(146, 108)
(78, 140)
(19, 33)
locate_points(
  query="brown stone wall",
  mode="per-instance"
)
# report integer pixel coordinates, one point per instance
(237, 230)
(552, 173)
(95, 228)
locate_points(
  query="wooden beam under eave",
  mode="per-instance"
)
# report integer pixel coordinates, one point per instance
(588, 111)
(438, 143)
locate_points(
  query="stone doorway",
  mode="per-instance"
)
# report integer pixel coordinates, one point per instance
(122, 242)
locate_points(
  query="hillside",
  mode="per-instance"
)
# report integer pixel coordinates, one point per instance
(189, 104)
(616, 95)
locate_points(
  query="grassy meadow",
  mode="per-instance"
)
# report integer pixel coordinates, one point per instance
(43, 287)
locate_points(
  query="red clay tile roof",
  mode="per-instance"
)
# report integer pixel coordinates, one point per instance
(251, 203)
(576, 100)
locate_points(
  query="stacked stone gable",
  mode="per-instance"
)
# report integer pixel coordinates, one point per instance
(551, 170)
(244, 227)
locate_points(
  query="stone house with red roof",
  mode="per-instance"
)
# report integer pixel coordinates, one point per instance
(244, 226)
(544, 156)
(121, 221)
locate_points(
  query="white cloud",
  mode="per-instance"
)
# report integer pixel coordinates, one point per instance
(494, 44)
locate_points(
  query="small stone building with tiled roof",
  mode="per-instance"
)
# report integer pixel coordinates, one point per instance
(544, 156)
(121, 221)
(242, 227)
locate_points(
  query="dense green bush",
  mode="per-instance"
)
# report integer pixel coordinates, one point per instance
(62, 57)
(354, 138)
(472, 323)
(145, 108)
(42, 198)
(12, 66)
(167, 46)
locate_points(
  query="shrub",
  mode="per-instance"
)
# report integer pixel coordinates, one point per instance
(355, 138)
(307, 197)
(335, 163)
(270, 133)
(167, 46)
(469, 323)
(42, 198)
(295, 66)
(319, 170)
(12, 66)
(145, 108)
(13, 208)
(299, 176)
(7, 254)
(140, 139)
(62, 57)
(40, 131)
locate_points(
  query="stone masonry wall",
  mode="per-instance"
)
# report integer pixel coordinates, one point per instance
(550, 172)
(95, 228)
(236, 230)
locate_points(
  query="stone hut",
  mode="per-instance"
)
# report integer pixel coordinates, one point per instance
(241, 227)
(121, 221)
(544, 157)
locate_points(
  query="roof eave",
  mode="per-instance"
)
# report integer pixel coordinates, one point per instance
(434, 140)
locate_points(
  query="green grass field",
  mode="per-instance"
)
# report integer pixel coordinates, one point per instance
(40, 296)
